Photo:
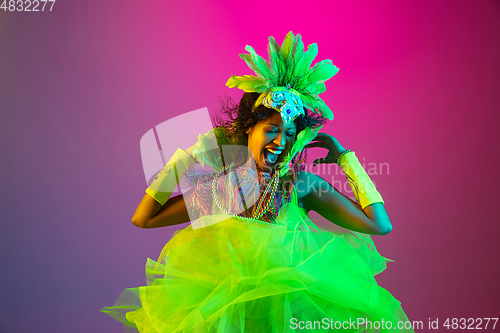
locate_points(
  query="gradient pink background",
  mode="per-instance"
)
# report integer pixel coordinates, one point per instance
(418, 88)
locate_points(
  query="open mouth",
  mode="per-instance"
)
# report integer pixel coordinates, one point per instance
(271, 155)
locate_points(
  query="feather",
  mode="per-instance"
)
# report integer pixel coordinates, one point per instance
(325, 110)
(247, 83)
(295, 54)
(288, 64)
(304, 137)
(316, 89)
(306, 60)
(286, 46)
(261, 63)
(322, 72)
(308, 101)
(253, 66)
(273, 49)
(317, 105)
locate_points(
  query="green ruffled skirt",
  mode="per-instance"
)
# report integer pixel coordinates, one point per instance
(240, 275)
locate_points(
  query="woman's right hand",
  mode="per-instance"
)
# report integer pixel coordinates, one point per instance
(325, 140)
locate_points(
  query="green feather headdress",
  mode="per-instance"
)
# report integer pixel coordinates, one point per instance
(286, 81)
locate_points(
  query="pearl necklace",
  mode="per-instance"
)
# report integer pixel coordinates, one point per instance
(258, 212)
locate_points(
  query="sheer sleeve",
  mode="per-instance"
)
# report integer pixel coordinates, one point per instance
(205, 152)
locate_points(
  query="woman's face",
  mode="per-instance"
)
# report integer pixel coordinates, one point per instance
(270, 140)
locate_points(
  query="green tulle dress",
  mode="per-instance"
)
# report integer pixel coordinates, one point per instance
(236, 274)
(239, 275)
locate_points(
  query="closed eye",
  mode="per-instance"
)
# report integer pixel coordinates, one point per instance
(288, 134)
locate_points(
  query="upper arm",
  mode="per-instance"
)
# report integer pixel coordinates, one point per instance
(151, 214)
(320, 196)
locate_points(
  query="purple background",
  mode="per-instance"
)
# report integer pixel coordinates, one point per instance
(418, 88)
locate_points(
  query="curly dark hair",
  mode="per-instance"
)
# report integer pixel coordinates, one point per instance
(240, 117)
(236, 119)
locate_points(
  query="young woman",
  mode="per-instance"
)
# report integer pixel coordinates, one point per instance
(252, 260)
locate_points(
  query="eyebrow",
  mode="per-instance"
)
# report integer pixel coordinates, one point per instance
(290, 128)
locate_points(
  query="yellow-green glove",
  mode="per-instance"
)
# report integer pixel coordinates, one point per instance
(361, 184)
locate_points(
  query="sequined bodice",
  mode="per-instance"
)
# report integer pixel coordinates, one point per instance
(237, 193)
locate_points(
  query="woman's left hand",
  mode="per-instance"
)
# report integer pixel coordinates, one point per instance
(329, 142)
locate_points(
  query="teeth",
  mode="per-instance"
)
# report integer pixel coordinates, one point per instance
(275, 151)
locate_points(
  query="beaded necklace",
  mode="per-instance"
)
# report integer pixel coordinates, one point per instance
(259, 210)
